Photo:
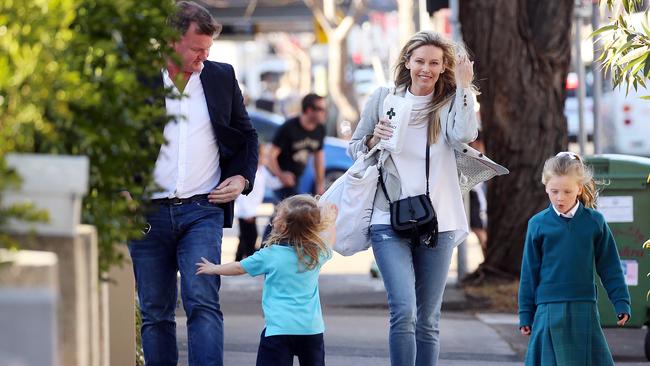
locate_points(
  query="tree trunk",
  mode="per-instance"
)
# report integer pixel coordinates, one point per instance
(522, 50)
(341, 90)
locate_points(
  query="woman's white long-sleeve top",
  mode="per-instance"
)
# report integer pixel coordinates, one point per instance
(408, 166)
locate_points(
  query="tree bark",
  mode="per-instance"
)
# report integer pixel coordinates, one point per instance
(522, 50)
(341, 90)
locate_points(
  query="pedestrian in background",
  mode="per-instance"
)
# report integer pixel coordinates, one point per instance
(565, 243)
(291, 263)
(294, 142)
(209, 159)
(246, 212)
(435, 75)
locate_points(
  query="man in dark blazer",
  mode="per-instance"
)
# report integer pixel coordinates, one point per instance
(210, 157)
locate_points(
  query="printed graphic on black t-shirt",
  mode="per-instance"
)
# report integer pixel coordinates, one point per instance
(297, 145)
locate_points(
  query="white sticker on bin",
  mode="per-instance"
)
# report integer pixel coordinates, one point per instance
(616, 208)
(630, 271)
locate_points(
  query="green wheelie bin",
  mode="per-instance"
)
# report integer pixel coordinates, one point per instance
(624, 200)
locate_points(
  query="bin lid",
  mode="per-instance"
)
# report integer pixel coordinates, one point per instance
(620, 171)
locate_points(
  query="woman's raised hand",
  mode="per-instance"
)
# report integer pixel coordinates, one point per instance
(464, 71)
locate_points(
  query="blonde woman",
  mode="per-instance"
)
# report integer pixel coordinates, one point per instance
(436, 76)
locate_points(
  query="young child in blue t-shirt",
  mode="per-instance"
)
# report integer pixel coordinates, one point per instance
(557, 292)
(291, 261)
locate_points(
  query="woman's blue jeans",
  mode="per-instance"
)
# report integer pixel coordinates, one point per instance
(415, 281)
(178, 237)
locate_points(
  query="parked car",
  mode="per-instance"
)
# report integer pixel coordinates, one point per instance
(336, 159)
(626, 122)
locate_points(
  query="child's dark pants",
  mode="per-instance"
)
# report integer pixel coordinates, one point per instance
(279, 350)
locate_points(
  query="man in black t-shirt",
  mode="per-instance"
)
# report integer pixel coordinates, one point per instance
(294, 142)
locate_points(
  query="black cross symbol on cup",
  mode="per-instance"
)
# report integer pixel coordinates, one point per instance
(391, 113)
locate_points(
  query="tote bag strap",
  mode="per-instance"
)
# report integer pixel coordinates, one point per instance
(381, 175)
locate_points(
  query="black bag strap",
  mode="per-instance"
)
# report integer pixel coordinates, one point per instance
(383, 185)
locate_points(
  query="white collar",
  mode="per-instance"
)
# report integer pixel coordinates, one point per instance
(570, 213)
(169, 83)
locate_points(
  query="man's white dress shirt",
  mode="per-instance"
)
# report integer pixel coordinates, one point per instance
(189, 163)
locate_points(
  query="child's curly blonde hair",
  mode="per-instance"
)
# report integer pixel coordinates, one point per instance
(299, 221)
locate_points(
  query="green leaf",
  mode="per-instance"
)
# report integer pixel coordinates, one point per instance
(645, 97)
(639, 63)
(633, 54)
(607, 28)
(623, 49)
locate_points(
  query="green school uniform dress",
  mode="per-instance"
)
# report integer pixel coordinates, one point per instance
(557, 292)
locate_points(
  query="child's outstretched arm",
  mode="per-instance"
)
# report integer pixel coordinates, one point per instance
(209, 268)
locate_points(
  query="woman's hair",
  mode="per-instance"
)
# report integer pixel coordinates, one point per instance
(445, 87)
(303, 221)
(568, 163)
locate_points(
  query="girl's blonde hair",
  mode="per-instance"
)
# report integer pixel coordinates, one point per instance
(445, 88)
(302, 223)
(568, 163)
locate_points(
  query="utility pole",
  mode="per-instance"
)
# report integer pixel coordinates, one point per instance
(454, 20)
(406, 16)
(580, 70)
(598, 77)
(424, 18)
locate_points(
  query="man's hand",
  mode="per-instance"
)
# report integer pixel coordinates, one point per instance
(126, 195)
(320, 188)
(622, 319)
(287, 179)
(228, 190)
(525, 330)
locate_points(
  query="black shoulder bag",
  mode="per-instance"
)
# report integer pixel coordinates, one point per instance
(414, 217)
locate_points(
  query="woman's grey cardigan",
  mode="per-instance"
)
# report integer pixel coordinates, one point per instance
(473, 167)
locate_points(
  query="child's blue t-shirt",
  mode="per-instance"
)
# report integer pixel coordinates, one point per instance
(290, 298)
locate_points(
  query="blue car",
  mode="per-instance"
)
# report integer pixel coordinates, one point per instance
(337, 160)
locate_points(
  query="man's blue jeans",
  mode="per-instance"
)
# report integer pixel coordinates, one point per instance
(178, 237)
(415, 281)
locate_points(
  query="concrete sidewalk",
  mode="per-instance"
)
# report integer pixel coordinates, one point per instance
(356, 320)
